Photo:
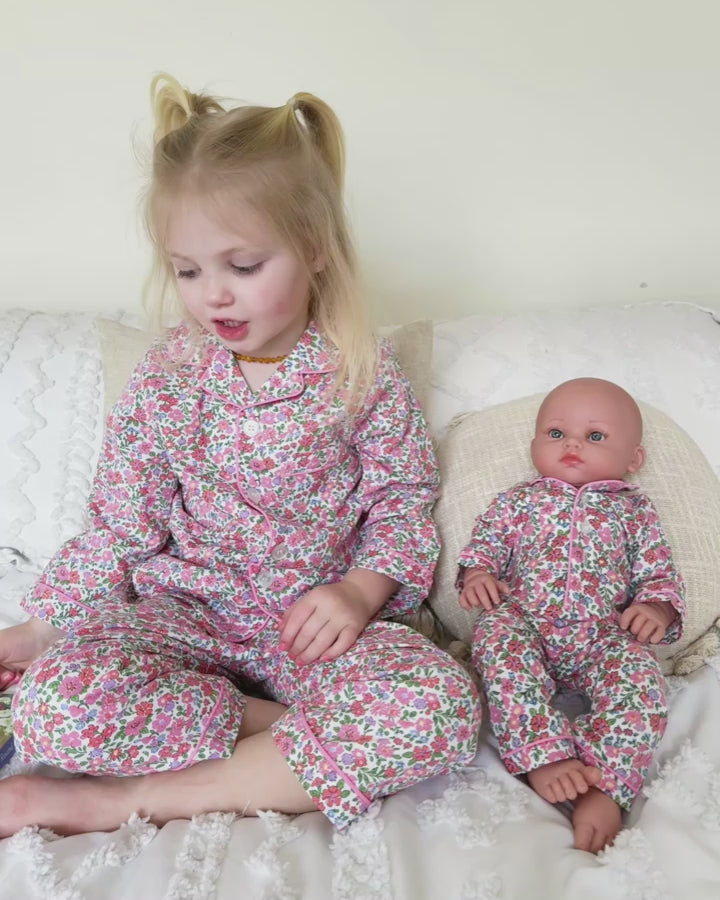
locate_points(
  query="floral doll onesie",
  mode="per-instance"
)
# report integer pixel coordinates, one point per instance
(573, 558)
(214, 509)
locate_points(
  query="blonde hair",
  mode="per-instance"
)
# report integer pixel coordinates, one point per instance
(285, 163)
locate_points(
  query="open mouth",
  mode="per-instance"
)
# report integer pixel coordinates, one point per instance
(231, 329)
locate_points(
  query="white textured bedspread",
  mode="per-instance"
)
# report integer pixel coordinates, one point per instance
(477, 835)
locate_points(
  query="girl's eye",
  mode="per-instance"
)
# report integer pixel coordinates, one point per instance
(246, 270)
(555, 433)
(596, 436)
(186, 273)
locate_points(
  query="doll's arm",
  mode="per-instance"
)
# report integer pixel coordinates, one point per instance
(655, 581)
(492, 541)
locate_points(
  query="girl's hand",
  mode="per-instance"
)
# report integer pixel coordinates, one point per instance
(648, 621)
(20, 645)
(325, 622)
(482, 589)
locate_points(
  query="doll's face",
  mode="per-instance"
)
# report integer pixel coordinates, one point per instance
(587, 430)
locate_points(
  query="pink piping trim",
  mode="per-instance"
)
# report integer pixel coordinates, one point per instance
(548, 740)
(344, 776)
(210, 721)
(62, 594)
(587, 754)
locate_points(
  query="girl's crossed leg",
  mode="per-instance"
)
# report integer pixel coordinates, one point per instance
(391, 711)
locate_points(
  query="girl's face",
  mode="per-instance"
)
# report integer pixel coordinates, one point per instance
(244, 285)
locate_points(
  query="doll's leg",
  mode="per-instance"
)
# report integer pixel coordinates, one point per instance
(618, 736)
(510, 659)
(391, 711)
(628, 715)
(533, 736)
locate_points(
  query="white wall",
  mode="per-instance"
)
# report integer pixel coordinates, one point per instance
(502, 155)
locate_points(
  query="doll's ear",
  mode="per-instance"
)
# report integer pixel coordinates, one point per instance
(637, 461)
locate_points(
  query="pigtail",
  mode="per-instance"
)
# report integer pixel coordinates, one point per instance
(173, 106)
(324, 129)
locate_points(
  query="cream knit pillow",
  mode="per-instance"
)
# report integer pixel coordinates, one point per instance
(485, 452)
(123, 347)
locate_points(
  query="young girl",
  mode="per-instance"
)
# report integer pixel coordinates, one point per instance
(261, 508)
(574, 576)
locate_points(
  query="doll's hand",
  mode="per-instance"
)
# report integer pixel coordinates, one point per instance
(482, 589)
(20, 645)
(325, 622)
(648, 621)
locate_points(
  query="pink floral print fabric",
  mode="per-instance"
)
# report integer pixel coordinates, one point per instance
(573, 558)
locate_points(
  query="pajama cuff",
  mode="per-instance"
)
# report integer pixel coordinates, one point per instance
(623, 793)
(520, 760)
(55, 607)
(334, 792)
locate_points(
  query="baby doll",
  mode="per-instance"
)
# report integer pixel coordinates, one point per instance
(574, 577)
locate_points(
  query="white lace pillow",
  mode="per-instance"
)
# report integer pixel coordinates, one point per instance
(50, 401)
(485, 452)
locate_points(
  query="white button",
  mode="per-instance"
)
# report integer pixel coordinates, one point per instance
(265, 579)
(251, 427)
(280, 552)
(252, 494)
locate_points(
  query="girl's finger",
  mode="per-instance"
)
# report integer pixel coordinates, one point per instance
(344, 642)
(323, 640)
(292, 622)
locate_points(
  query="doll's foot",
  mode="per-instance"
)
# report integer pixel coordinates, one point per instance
(596, 821)
(563, 780)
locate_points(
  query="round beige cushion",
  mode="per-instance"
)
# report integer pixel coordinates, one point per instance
(488, 451)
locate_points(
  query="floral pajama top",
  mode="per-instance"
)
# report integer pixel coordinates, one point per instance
(244, 501)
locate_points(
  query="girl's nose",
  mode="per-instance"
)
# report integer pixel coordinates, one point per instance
(571, 441)
(217, 294)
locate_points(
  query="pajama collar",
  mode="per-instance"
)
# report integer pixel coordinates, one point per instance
(312, 355)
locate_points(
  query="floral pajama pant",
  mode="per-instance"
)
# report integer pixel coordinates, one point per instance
(523, 664)
(159, 685)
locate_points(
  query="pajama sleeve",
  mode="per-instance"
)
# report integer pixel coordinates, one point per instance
(654, 576)
(128, 510)
(491, 542)
(397, 489)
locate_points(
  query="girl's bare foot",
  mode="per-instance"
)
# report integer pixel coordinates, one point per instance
(66, 805)
(563, 780)
(596, 821)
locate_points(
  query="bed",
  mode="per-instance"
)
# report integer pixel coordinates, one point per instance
(478, 834)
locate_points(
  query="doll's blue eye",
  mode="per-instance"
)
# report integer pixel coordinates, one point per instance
(555, 433)
(596, 436)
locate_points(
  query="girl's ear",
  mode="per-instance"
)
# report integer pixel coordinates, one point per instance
(638, 460)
